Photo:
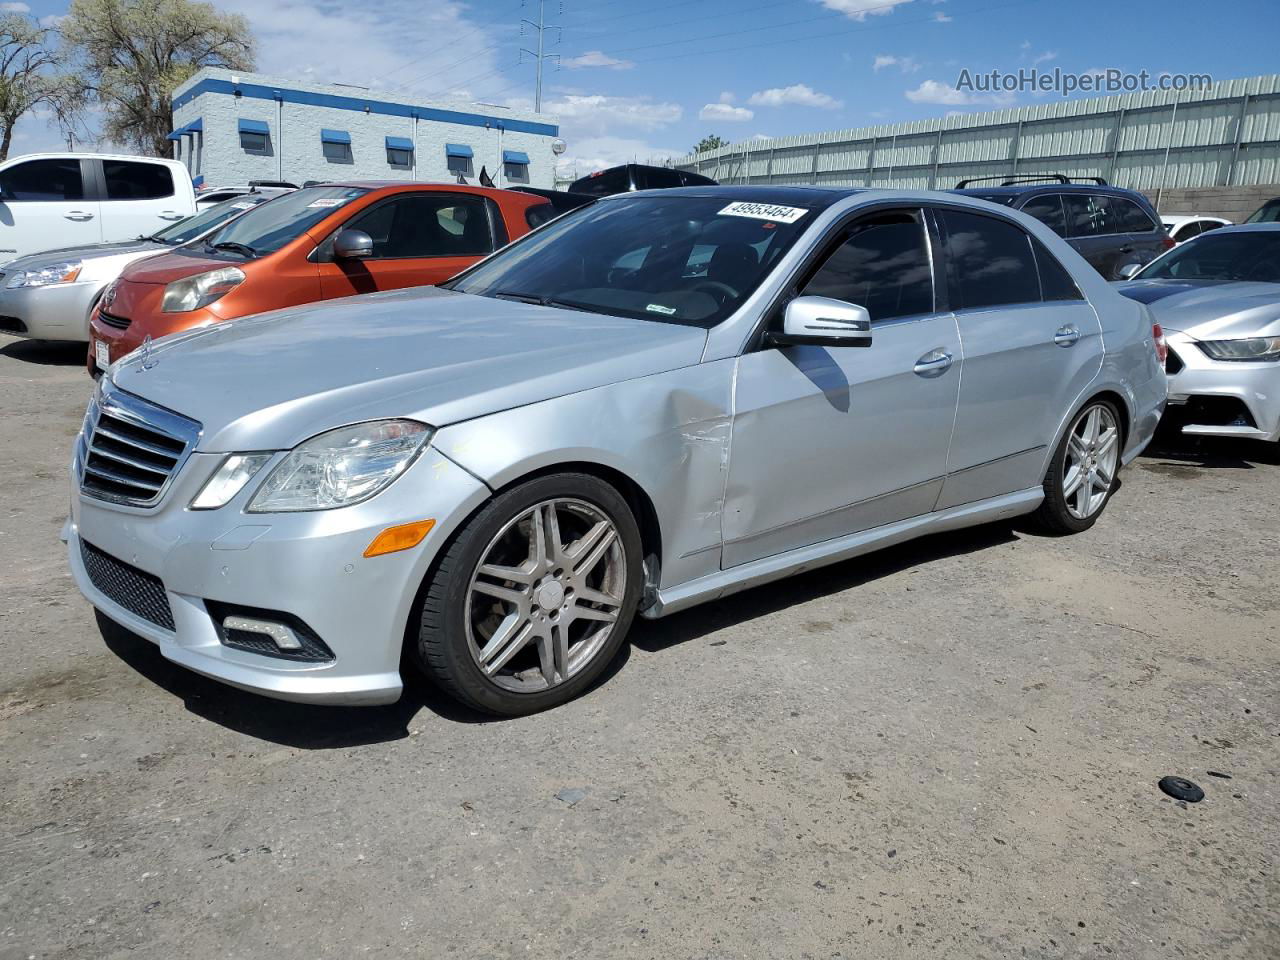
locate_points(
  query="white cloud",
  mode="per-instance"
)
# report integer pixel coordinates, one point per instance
(1044, 57)
(727, 97)
(798, 94)
(931, 91)
(940, 17)
(599, 115)
(598, 58)
(861, 9)
(726, 113)
(597, 153)
(905, 64)
(14, 8)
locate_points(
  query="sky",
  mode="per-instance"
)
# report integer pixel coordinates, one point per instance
(645, 81)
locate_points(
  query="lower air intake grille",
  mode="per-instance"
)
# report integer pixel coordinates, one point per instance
(138, 592)
(114, 320)
(314, 650)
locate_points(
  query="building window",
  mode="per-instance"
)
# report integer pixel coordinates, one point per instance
(255, 137)
(400, 152)
(515, 166)
(458, 158)
(336, 145)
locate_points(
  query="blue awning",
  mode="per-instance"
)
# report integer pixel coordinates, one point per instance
(399, 143)
(514, 156)
(195, 126)
(458, 150)
(176, 134)
(253, 126)
(335, 136)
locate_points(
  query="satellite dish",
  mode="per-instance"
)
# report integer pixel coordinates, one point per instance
(558, 147)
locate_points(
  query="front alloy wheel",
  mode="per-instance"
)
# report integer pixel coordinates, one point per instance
(1082, 473)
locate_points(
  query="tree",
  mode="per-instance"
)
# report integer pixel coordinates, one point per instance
(133, 53)
(710, 143)
(28, 76)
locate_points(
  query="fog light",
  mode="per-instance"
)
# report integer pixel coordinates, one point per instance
(282, 636)
(403, 537)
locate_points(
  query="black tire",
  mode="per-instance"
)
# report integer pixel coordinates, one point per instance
(1053, 516)
(442, 647)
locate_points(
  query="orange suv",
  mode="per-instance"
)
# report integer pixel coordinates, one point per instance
(331, 240)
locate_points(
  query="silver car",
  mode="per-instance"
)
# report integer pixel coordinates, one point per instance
(654, 401)
(49, 295)
(1218, 299)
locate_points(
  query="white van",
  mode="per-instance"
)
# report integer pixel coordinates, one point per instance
(52, 200)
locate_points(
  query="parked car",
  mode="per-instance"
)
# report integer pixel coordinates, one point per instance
(499, 473)
(636, 176)
(1187, 226)
(52, 200)
(211, 196)
(332, 240)
(1218, 299)
(50, 295)
(1269, 212)
(1108, 226)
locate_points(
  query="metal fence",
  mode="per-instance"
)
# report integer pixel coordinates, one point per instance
(1225, 134)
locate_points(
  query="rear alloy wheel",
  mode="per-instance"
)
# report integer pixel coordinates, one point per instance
(1082, 474)
(532, 599)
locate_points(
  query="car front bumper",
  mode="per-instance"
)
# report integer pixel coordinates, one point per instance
(308, 566)
(58, 311)
(1224, 398)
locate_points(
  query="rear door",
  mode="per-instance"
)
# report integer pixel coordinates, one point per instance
(45, 203)
(1031, 344)
(1092, 230)
(138, 198)
(1144, 236)
(419, 239)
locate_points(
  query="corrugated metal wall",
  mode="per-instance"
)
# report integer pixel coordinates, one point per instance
(1226, 134)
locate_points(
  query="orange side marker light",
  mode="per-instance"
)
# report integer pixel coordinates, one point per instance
(404, 537)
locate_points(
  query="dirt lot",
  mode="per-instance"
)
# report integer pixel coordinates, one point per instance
(948, 749)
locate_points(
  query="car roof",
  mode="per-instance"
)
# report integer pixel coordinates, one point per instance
(1271, 227)
(1018, 190)
(814, 198)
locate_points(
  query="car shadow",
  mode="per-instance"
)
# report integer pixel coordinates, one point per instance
(1179, 454)
(51, 353)
(311, 727)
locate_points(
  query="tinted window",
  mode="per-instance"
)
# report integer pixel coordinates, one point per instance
(1269, 212)
(1207, 225)
(337, 152)
(1130, 217)
(695, 179)
(256, 143)
(1048, 210)
(1221, 256)
(127, 180)
(267, 228)
(425, 226)
(883, 265)
(399, 158)
(697, 266)
(604, 184)
(537, 216)
(1055, 282)
(1187, 231)
(990, 262)
(1088, 215)
(43, 180)
(653, 179)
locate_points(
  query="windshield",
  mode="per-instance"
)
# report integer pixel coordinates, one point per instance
(187, 230)
(1269, 212)
(688, 260)
(269, 227)
(1247, 255)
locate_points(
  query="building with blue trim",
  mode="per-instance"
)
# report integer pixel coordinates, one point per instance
(230, 128)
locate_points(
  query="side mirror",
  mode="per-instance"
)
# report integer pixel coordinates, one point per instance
(823, 322)
(1128, 271)
(352, 245)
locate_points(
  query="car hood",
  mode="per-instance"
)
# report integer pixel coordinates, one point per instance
(1210, 309)
(169, 267)
(85, 251)
(270, 381)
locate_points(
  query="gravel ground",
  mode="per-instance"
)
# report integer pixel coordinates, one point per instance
(947, 749)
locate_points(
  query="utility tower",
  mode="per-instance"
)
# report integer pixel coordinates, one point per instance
(541, 28)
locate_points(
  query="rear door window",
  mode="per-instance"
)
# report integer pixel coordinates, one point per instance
(1131, 218)
(43, 180)
(417, 225)
(882, 265)
(131, 180)
(1187, 231)
(989, 262)
(1048, 210)
(1055, 282)
(1085, 217)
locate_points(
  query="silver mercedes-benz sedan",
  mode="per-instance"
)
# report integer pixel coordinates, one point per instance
(1218, 299)
(650, 402)
(49, 295)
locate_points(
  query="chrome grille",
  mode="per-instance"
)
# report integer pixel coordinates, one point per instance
(129, 449)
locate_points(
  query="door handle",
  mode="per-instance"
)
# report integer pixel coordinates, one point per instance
(1067, 336)
(78, 215)
(933, 364)
(170, 215)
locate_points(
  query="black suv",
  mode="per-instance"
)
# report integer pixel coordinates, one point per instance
(637, 176)
(1109, 226)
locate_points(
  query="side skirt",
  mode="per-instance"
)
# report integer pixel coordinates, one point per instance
(725, 582)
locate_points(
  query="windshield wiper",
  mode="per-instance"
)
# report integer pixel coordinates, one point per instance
(518, 297)
(566, 305)
(234, 246)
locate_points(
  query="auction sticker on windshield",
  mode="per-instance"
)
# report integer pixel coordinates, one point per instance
(764, 211)
(328, 202)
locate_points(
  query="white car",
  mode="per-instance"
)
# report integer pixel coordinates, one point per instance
(211, 196)
(50, 200)
(1186, 226)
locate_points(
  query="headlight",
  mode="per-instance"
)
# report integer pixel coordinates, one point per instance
(63, 272)
(1254, 348)
(192, 293)
(229, 479)
(341, 467)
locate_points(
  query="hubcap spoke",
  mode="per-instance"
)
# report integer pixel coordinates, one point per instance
(1093, 449)
(509, 639)
(601, 543)
(522, 575)
(591, 613)
(499, 593)
(1074, 478)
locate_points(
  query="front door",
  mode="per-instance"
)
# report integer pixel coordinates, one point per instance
(1031, 345)
(419, 239)
(830, 441)
(43, 206)
(139, 199)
